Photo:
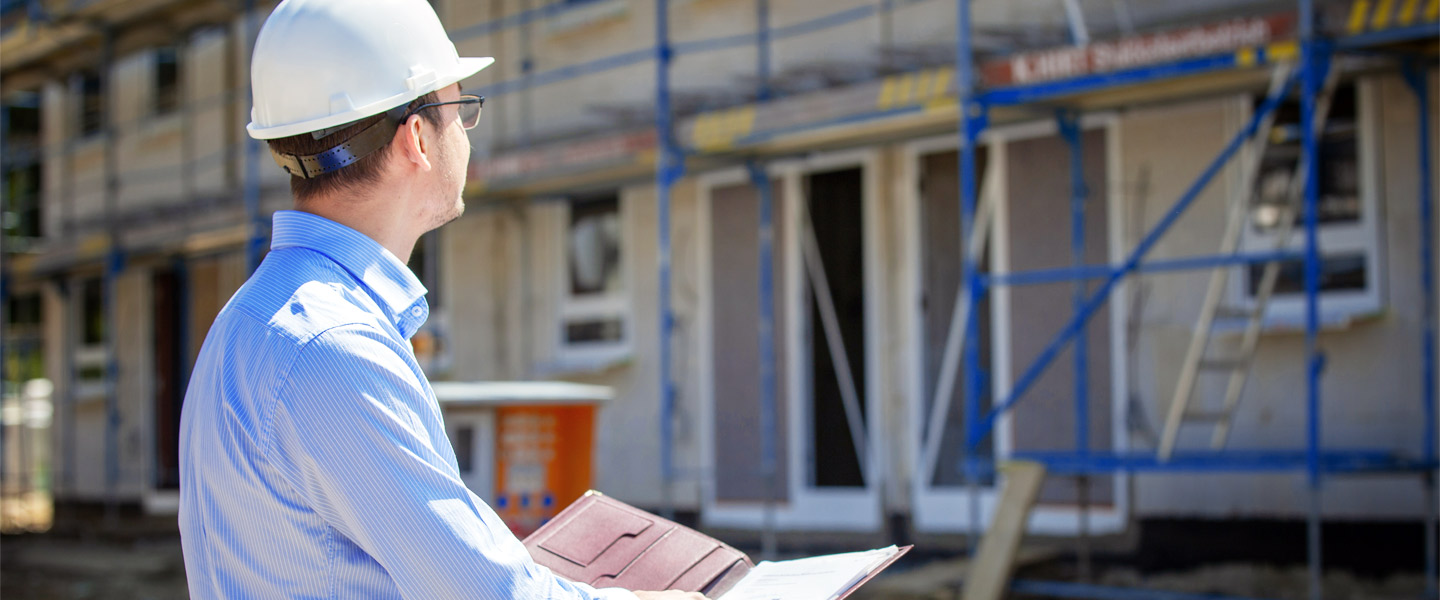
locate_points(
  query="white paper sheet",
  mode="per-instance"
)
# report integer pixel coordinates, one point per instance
(815, 578)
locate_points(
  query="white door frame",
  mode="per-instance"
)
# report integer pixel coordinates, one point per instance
(948, 509)
(807, 507)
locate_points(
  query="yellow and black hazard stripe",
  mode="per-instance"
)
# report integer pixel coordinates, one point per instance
(718, 130)
(1273, 52)
(1377, 15)
(929, 87)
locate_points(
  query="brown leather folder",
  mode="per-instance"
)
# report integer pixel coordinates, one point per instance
(603, 542)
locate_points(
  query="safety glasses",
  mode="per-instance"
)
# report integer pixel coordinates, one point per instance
(368, 140)
(469, 107)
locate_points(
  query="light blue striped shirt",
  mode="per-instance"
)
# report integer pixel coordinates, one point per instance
(314, 461)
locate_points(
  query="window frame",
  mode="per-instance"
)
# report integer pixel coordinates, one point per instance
(1362, 236)
(26, 205)
(23, 335)
(158, 103)
(81, 111)
(25, 167)
(576, 15)
(86, 354)
(612, 305)
(434, 353)
(427, 253)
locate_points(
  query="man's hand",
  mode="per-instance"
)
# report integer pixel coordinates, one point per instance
(670, 595)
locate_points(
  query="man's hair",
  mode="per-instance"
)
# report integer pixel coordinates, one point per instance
(363, 171)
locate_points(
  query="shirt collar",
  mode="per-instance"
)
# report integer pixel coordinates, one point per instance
(390, 281)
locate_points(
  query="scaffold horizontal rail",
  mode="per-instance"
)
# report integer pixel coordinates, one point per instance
(1384, 37)
(1049, 90)
(1063, 274)
(1255, 461)
(1087, 591)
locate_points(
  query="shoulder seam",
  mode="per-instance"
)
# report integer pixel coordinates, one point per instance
(268, 415)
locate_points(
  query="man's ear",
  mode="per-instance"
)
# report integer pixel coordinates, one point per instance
(414, 147)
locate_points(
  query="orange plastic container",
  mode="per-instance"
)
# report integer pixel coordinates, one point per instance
(543, 461)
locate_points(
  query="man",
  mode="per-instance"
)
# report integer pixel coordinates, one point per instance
(314, 463)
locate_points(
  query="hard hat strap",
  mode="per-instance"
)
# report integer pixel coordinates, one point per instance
(360, 145)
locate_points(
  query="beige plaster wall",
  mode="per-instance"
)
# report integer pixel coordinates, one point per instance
(1371, 386)
(152, 149)
(133, 393)
(503, 271)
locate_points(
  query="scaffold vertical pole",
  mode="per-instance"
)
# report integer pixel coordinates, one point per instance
(183, 297)
(666, 172)
(972, 114)
(114, 262)
(762, 49)
(70, 331)
(1311, 74)
(769, 467)
(760, 178)
(527, 68)
(187, 128)
(1415, 77)
(1069, 125)
(4, 306)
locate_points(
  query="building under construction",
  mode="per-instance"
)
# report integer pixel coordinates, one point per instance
(837, 260)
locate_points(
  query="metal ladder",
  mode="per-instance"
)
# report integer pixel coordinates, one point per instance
(1197, 356)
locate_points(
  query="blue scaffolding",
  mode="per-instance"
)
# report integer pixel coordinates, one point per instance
(1314, 61)
(975, 104)
(1314, 57)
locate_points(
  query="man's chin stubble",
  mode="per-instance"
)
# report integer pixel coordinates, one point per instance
(453, 212)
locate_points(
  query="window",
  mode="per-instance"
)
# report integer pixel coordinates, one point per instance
(593, 313)
(91, 355)
(575, 15)
(13, 11)
(167, 79)
(465, 449)
(425, 264)
(20, 210)
(22, 118)
(91, 103)
(20, 214)
(92, 306)
(429, 343)
(1350, 270)
(24, 339)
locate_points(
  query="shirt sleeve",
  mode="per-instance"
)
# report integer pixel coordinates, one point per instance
(349, 432)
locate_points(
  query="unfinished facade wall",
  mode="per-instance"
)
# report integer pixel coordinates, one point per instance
(1166, 146)
(802, 57)
(475, 286)
(81, 470)
(149, 148)
(505, 275)
(1370, 388)
(178, 164)
(502, 291)
(211, 126)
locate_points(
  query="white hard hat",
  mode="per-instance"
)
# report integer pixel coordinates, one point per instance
(322, 63)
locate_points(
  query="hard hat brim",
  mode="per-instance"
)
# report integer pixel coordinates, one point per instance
(464, 67)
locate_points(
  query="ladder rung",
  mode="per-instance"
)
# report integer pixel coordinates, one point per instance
(1221, 364)
(1206, 415)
